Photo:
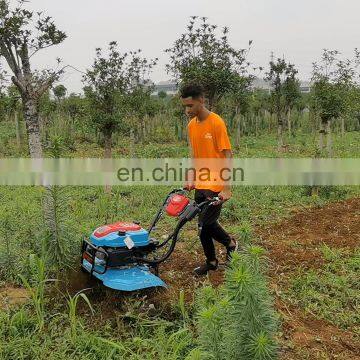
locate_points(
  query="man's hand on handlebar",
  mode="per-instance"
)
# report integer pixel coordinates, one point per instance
(223, 196)
(189, 186)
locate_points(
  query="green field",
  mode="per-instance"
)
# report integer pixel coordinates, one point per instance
(54, 324)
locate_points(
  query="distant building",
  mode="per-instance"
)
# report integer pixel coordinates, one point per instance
(169, 87)
(305, 87)
(260, 84)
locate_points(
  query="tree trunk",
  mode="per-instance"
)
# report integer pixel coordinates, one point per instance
(17, 128)
(289, 122)
(328, 138)
(342, 126)
(238, 133)
(107, 153)
(176, 130)
(256, 125)
(270, 119)
(312, 121)
(132, 143)
(280, 133)
(107, 144)
(280, 137)
(321, 136)
(31, 117)
(143, 130)
(315, 191)
(212, 102)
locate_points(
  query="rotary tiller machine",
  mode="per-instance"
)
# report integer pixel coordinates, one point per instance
(125, 257)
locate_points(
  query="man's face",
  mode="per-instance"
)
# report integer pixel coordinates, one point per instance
(192, 106)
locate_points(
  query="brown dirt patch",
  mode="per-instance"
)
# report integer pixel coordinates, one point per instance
(177, 272)
(304, 335)
(12, 297)
(295, 243)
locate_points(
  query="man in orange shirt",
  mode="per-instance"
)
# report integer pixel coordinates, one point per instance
(209, 142)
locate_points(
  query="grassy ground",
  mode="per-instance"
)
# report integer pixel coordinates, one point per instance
(331, 292)
(134, 329)
(303, 144)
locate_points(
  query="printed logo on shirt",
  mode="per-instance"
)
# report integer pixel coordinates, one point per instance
(208, 136)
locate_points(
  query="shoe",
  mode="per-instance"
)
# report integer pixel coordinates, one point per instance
(204, 269)
(230, 250)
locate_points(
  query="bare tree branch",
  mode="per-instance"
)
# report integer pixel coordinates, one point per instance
(9, 57)
(18, 84)
(47, 83)
(41, 48)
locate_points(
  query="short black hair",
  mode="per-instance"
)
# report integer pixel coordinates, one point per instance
(191, 90)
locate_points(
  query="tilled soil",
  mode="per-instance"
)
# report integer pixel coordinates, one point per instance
(295, 243)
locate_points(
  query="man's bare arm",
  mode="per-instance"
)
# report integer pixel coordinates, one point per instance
(190, 180)
(225, 194)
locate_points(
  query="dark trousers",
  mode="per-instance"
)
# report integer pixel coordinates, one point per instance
(209, 228)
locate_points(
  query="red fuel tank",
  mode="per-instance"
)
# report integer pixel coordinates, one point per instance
(176, 204)
(116, 227)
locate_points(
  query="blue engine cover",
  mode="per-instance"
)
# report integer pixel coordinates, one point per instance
(127, 279)
(109, 235)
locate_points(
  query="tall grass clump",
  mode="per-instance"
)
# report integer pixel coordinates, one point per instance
(36, 288)
(57, 232)
(238, 321)
(7, 254)
(211, 321)
(72, 314)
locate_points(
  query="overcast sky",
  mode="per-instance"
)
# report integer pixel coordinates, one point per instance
(297, 30)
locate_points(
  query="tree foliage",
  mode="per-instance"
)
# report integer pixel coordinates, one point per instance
(285, 86)
(111, 80)
(201, 55)
(334, 83)
(22, 34)
(59, 92)
(284, 94)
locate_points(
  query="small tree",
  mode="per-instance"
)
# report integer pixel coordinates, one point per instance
(22, 35)
(59, 92)
(333, 84)
(141, 106)
(238, 320)
(236, 105)
(282, 76)
(201, 56)
(292, 96)
(162, 94)
(109, 81)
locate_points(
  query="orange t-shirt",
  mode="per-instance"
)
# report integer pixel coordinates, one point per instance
(208, 138)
